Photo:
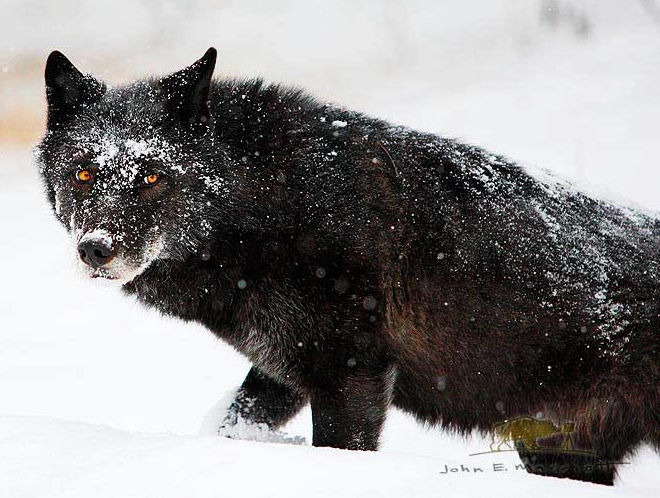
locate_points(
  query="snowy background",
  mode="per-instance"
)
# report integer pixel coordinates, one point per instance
(99, 397)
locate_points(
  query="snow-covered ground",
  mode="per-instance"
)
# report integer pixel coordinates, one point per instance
(99, 397)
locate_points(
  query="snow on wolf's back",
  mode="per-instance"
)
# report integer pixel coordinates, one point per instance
(534, 285)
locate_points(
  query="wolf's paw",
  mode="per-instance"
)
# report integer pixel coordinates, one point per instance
(246, 431)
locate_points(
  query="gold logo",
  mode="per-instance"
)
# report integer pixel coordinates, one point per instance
(534, 435)
(529, 433)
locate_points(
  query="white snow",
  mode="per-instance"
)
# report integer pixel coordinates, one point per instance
(85, 460)
(100, 235)
(100, 397)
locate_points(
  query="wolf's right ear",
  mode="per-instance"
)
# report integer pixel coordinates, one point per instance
(67, 89)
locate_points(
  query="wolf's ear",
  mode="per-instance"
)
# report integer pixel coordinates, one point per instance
(67, 89)
(186, 95)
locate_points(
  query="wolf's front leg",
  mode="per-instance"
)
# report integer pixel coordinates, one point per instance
(348, 412)
(262, 402)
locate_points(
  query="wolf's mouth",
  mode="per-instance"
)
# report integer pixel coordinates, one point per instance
(112, 278)
(103, 276)
(113, 274)
(103, 273)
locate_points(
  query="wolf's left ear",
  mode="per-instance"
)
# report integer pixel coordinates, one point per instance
(186, 95)
(67, 89)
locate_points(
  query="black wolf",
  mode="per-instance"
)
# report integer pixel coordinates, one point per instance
(359, 264)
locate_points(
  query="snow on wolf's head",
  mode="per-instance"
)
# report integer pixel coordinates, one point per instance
(125, 169)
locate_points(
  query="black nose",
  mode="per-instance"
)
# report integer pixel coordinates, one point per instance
(95, 253)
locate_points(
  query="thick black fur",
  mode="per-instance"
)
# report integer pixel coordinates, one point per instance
(359, 265)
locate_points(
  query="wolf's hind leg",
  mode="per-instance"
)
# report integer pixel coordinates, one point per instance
(262, 401)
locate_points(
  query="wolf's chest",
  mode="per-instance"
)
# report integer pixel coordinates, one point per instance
(273, 328)
(268, 349)
(269, 321)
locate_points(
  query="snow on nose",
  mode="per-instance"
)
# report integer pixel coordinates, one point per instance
(99, 236)
(96, 248)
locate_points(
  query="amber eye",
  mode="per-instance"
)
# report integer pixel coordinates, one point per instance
(151, 179)
(84, 176)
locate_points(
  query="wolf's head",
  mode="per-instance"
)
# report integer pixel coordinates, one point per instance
(127, 170)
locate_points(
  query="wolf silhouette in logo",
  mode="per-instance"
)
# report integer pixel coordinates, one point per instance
(360, 265)
(529, 433)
